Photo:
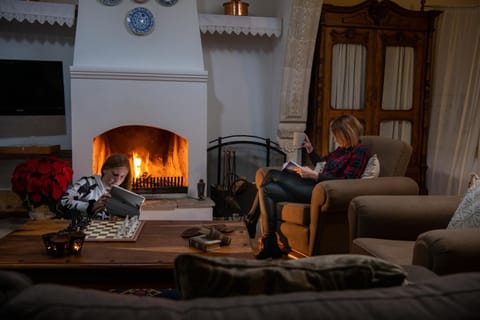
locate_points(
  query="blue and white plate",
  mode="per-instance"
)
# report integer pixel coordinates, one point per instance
(140, 20)
(167, 3)
(111, 2)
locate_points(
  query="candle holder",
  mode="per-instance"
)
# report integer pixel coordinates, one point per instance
(48, 242)
(76, 242)
(58, 244)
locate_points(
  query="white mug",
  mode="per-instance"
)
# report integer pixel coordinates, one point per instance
(298, 138)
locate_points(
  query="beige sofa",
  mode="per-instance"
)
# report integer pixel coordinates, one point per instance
(412, 230)
(448, 297)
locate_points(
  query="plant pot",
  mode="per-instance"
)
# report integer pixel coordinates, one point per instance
(41, 213)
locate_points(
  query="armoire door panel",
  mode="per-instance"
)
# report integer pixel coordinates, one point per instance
(372, 61)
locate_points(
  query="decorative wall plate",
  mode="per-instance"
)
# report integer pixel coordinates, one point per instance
(140, 20)
(140, 1)
(110, 2)
(167, 3)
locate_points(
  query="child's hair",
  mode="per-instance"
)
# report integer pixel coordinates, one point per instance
(117, 160)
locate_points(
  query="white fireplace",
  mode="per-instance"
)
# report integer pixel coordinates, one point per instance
(156, 80)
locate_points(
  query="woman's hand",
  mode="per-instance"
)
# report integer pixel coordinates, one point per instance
(99, 205)
(306, 172)
(307, 144)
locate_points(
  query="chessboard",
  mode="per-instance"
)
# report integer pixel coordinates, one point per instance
(113, 230)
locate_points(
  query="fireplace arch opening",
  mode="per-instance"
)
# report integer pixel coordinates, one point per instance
(158, 157)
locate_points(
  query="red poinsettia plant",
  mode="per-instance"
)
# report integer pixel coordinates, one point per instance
(41, 181)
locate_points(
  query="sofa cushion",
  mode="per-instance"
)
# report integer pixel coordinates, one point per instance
(395, 251)
(200, 276)
(467, 214)
(12, 283)
(442, 298)
(372, 170)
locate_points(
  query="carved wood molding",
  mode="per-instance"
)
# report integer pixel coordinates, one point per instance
(304, 19)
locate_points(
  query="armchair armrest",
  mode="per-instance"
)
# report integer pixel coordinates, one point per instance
(448, 250)
(401, 217)
(329, 208)
(335, 195)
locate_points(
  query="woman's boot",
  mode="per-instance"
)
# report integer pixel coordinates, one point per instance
(270, 248)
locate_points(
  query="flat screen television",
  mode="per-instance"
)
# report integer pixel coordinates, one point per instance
(31, 87)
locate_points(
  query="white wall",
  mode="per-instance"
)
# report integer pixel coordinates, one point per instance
(244, 71)
(244, 74)
(36, 42)
(106, 41)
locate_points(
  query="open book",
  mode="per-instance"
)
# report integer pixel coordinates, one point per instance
(124, 202)
(290, 165)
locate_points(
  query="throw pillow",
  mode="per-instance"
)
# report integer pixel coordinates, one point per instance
(467, 214)
(372, 170)
(200, 276)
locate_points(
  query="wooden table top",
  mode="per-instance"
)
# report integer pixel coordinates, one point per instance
(155, 249)
(157, 245)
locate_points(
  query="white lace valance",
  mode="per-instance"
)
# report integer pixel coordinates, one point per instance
(61, 13)
(240, 24)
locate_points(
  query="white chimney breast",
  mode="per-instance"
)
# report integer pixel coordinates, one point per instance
(157, 79)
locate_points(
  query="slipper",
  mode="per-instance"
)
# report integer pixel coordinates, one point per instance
(191, 232)
(223, 228)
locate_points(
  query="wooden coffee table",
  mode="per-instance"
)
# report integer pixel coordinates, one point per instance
(144, 263)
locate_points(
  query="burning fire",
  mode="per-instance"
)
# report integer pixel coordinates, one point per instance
(139, 170)
(153, 152)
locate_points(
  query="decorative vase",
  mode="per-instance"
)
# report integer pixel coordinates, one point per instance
(201, 189)
(42, 212)
(235, 8)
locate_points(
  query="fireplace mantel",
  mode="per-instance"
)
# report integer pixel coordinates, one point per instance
(217, 23)
(87, 72)
(41, 12)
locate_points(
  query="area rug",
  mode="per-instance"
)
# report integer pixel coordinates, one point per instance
(168, 293)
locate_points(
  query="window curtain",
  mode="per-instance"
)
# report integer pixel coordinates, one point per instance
(398, 91)
(454, 135)
(348, 79)
(348, 85)
(348, 76)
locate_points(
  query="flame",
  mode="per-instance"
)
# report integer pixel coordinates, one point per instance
(137, 165)
(153, 152)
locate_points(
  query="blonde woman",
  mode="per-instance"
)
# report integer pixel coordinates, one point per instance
(347, 161)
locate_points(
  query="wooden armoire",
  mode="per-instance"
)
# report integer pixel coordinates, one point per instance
(374, 61)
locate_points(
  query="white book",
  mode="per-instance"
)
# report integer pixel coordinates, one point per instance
(124, 202)
(290, 165)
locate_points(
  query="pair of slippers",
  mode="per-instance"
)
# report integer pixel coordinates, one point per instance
(196, 231)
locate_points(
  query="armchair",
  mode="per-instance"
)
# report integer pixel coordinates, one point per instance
(321, 226)
(412, 230)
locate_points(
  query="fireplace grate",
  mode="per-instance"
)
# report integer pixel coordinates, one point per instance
(158, 185)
